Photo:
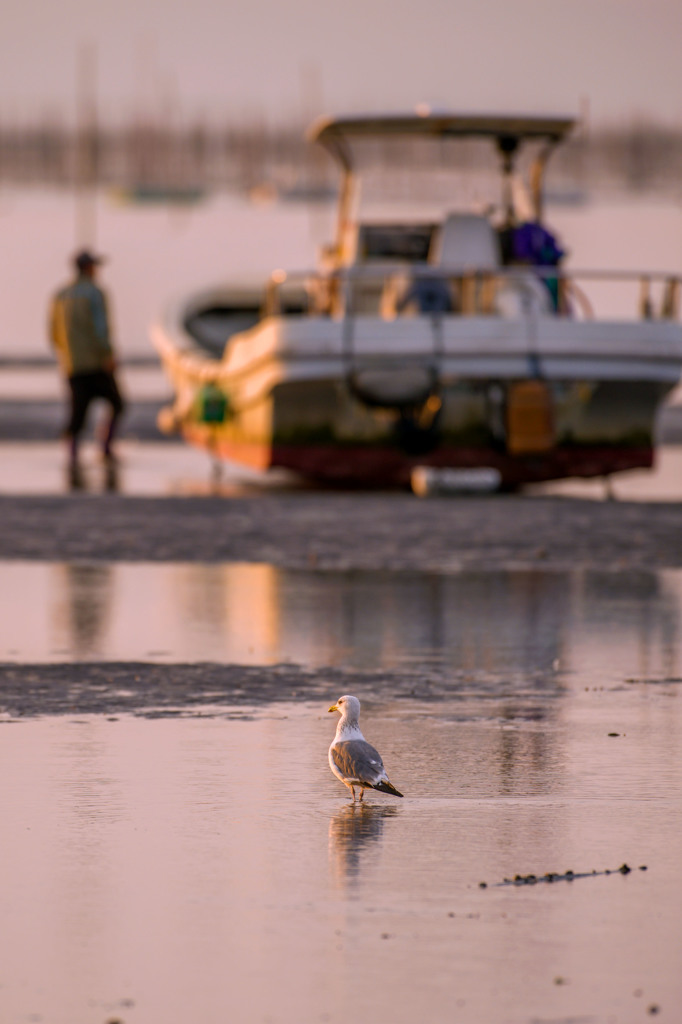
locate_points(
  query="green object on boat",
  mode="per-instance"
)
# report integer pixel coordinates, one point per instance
(213, 405)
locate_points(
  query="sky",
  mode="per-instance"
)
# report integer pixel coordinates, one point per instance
(279, 60)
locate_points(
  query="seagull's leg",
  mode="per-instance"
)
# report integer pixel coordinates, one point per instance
(352, 789)
(362, 793)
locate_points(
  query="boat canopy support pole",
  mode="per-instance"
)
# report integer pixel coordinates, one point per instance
(340, 151)
(346, 200)
(508, 145)
(537, 177)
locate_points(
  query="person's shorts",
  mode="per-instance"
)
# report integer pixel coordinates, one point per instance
(87, 386)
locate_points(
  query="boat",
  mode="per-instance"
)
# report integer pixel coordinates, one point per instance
(458, 341)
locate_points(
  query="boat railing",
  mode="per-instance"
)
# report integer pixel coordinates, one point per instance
(514, 291)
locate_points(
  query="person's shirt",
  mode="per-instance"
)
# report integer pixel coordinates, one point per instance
(79, 327)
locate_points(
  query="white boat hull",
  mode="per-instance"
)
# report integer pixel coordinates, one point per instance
(365, 400)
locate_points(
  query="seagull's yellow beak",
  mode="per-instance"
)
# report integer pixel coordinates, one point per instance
(333, 708)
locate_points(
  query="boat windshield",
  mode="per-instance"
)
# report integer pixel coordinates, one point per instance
(424, 178)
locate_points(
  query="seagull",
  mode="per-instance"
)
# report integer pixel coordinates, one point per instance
(351, 758)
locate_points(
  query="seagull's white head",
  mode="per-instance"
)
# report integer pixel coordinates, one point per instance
(348, 707)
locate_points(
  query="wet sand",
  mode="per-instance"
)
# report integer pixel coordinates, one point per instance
(345, 530)
(168, 691)
(175, 826)
(304, 531)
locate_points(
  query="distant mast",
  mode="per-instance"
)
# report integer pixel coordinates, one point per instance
(86, 147)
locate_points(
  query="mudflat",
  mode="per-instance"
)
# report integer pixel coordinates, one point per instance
(345, 530)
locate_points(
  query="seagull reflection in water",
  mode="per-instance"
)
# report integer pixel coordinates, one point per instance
(353, 829)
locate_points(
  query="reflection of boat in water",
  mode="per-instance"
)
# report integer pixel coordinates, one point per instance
(447, 340)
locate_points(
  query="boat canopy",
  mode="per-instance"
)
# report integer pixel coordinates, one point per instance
(508, 130)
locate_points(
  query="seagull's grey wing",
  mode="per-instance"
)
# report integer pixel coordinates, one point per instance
(357, 759)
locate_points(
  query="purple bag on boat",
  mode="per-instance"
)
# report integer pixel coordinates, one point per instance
(531, 243)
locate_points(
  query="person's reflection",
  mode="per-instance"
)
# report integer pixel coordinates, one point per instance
(88, 590)
(75, 478)
(352, 830)
(111, 476)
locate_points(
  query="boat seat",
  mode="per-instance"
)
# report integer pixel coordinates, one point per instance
(465, 241)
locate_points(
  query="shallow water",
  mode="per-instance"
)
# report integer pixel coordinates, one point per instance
(161, 469)
(608, 624)
(153, 469)
(210, 869)
(204, 864)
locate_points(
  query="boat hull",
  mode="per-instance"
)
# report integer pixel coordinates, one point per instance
(321, 432)
(534, 400)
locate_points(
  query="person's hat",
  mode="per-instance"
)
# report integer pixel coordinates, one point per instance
(84, 259)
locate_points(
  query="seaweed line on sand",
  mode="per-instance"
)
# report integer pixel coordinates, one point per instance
(554, 876)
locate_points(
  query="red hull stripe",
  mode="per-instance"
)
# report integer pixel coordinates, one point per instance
(376, 466)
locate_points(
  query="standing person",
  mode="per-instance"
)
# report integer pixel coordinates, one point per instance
(80, 333)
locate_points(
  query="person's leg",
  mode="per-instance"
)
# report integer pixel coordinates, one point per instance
(109, 391)
(81, 396)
